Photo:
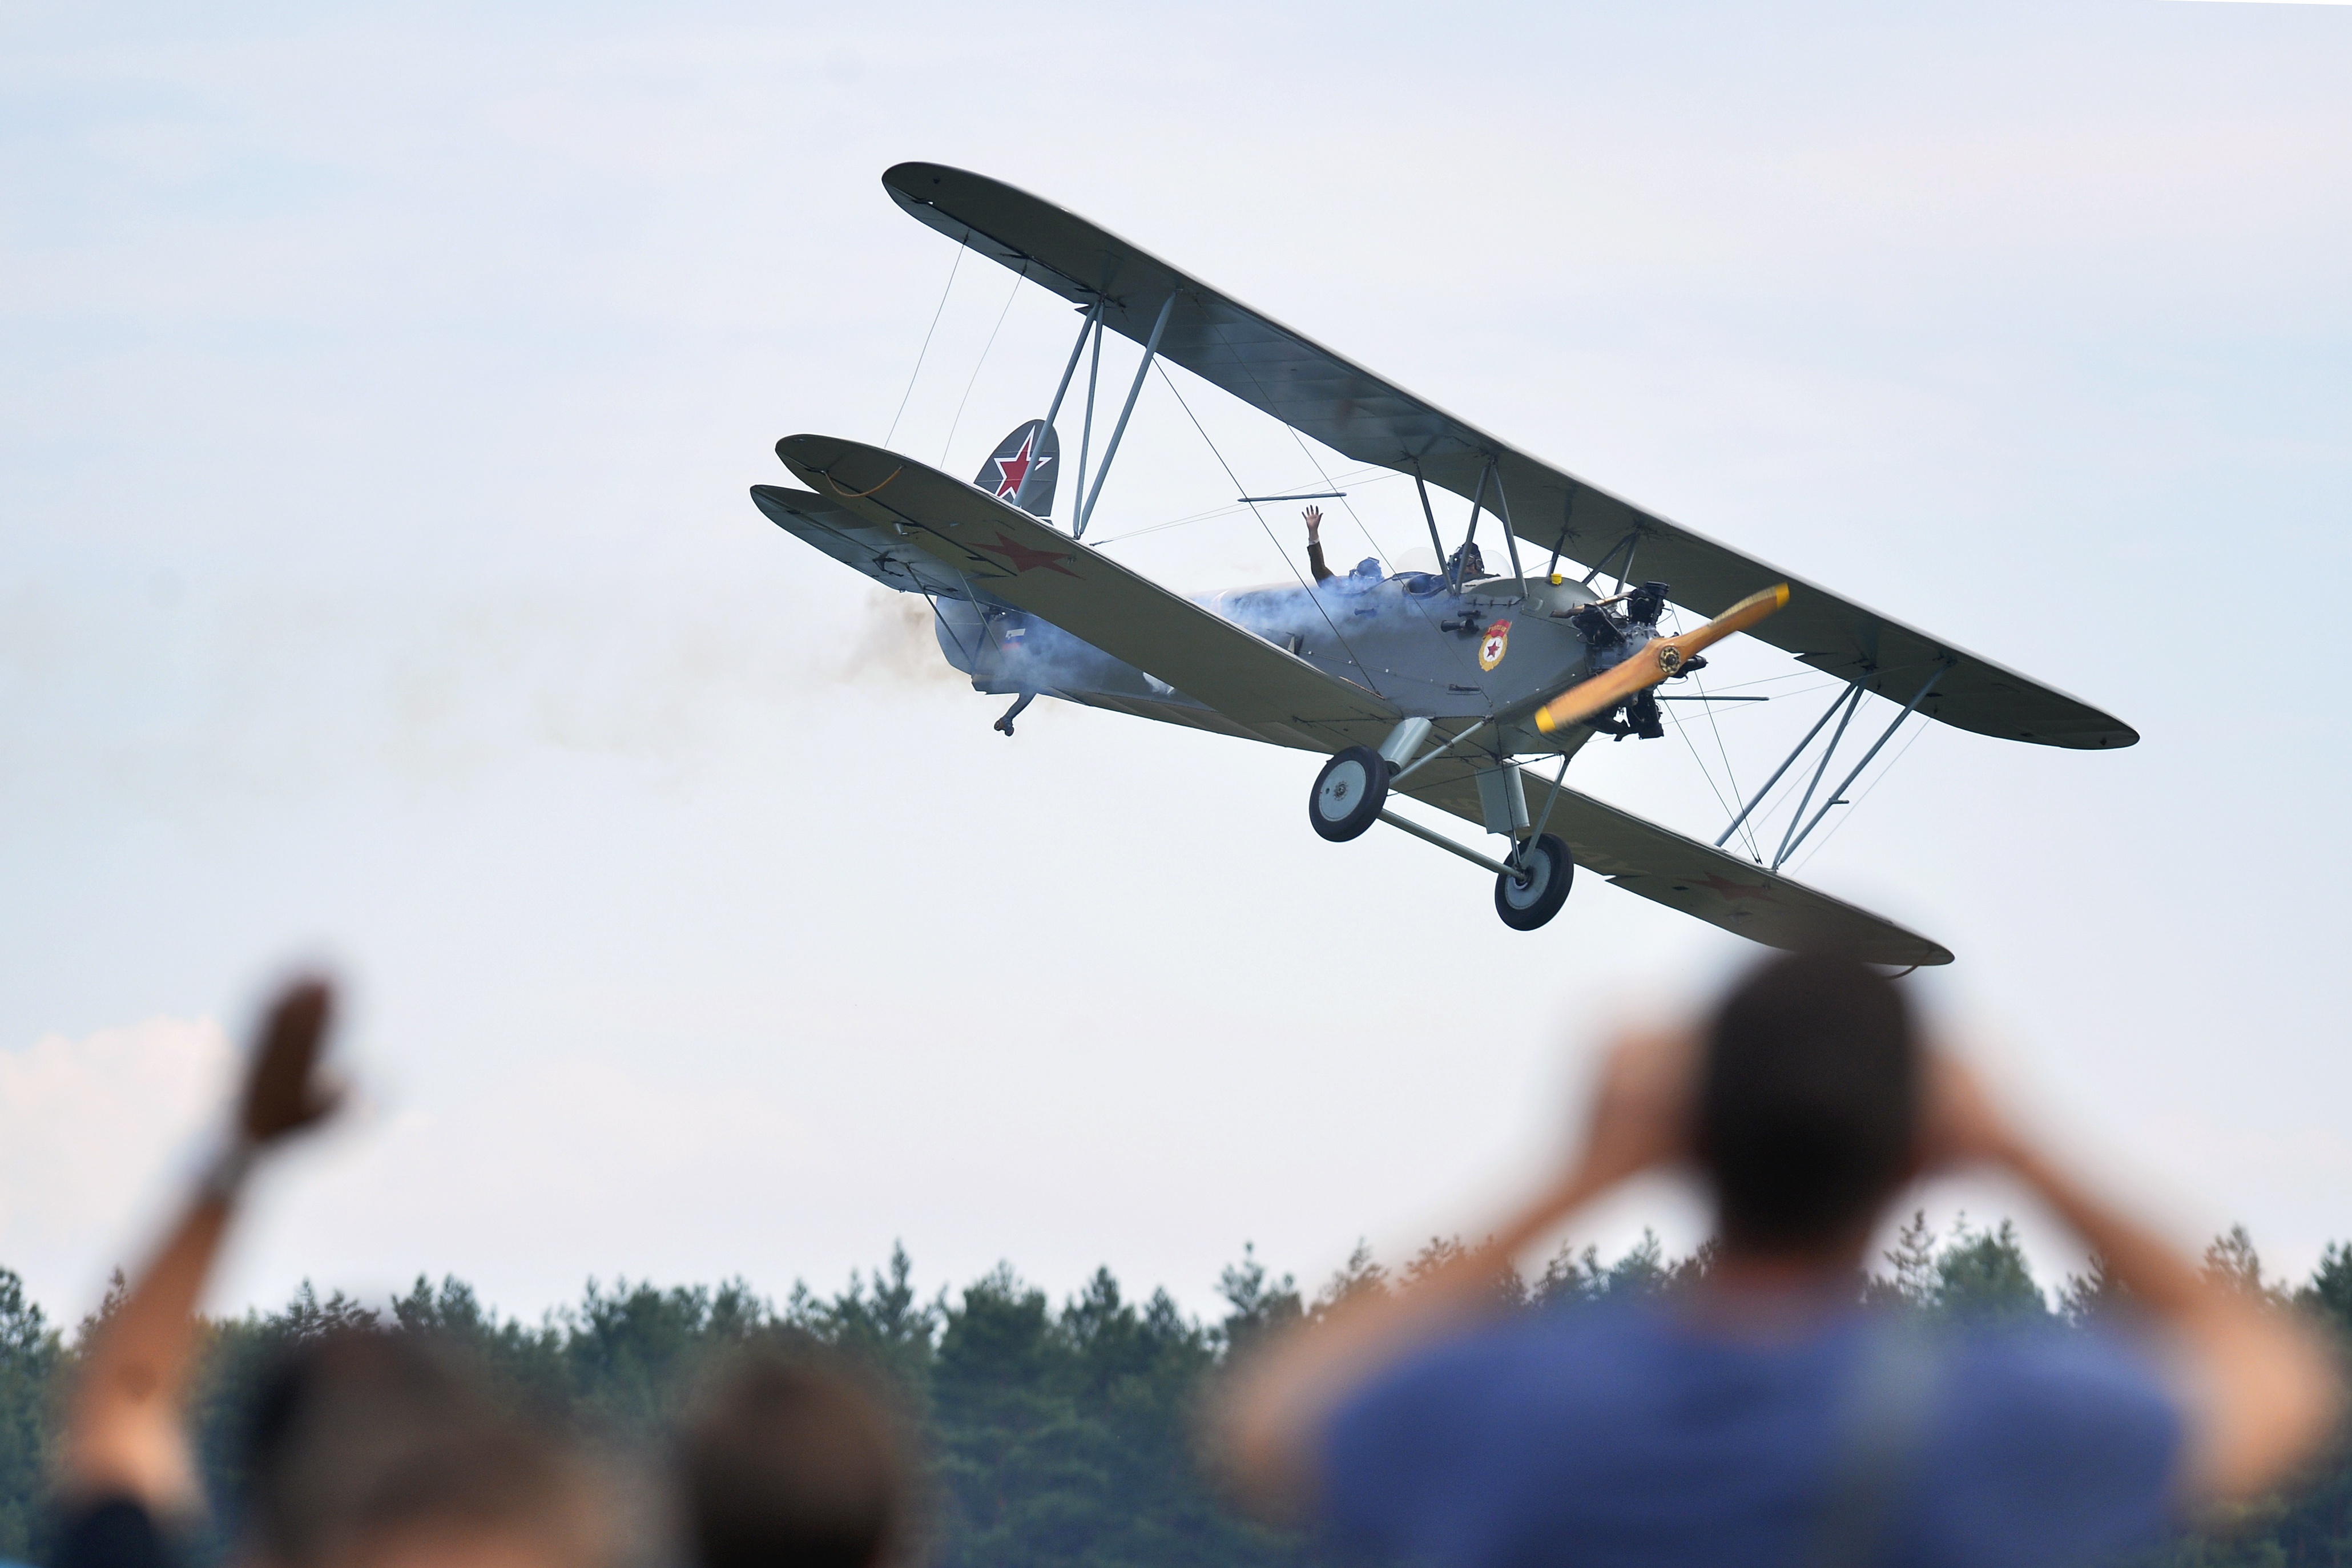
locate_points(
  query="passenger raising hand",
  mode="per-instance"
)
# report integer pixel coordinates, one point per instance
(1314, 515)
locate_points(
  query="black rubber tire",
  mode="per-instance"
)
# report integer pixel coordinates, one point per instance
(1526, 905)
(1349, 794)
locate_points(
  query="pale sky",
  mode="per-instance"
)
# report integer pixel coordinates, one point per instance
(378, 585)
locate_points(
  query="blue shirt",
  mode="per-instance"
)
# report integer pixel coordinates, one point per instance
(1624, 1434)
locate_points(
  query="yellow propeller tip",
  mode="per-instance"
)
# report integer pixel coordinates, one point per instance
(1543, 720)
(1780, 597)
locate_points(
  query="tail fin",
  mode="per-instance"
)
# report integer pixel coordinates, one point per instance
(1021, 468)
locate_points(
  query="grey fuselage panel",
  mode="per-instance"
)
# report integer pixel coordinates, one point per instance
(1383, 635)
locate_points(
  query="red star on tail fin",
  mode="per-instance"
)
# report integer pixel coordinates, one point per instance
(1013, 470)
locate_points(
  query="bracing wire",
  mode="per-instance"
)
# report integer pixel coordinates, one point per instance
(952, 267)
(1858, 799)
(1387, 563)
(1019, 278)
(1314, 597)
(1786, 676)
(1358, 478)
(1786, 789)
(1725, 751)
(1745, 831)
(1705, 771)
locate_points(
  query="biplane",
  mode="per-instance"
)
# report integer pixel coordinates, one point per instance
(1459, 687)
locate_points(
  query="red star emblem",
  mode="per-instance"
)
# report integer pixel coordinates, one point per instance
(1011, 471)
(1732, 892)
(1025, 559)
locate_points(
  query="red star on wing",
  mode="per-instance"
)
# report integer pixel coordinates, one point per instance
(1732, 892)
(1024, 560)
(1011, 471)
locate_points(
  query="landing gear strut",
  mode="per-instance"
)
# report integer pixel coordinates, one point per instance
(1530, 884)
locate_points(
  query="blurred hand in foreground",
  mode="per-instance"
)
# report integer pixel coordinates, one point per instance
(123, 1438)
(283, 1093)
(1640, 1114)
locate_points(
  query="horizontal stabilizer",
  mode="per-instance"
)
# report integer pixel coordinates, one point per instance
(1011, 558)
(871, 548)
(1684, 874)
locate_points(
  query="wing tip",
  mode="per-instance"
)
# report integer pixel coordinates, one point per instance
(906, 178)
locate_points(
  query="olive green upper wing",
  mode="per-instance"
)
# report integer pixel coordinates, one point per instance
(1373, 420)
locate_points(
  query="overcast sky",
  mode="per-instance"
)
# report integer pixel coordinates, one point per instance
(378, 587)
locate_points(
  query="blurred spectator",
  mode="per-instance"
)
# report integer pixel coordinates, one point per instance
(379, 1447)
(786, 1463)
(368, 1450)
(1762, 1417)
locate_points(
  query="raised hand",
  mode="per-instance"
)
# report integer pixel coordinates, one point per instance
(282, 1092)
(1642, 1115)
(1314, 515)
(1960, 1125)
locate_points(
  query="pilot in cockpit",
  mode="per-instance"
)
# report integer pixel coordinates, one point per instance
(1461, 567)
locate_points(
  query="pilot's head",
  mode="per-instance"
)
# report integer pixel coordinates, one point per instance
(1470, 562)
(1367, 571)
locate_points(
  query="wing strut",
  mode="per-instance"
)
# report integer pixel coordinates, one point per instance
(1837, 735)
(1847, 782)
(1602, 564)
(1510, 534)
(1787, 762)
(1091, 322)
(1455, 579)
(1436, 542)
(1566, 527)
(1150, 350)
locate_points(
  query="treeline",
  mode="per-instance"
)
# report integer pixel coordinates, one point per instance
(1056, 1434)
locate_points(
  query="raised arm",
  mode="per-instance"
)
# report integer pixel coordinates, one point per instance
(2262, 1391)
(1315, 562)
(1277, 1404)
(123, 1435)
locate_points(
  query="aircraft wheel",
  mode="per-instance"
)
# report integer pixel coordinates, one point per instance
(1349, 794)
(1523, 905)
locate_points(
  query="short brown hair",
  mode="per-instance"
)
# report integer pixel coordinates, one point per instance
(788, 1462)
(361, 1435)
(1807, 1103)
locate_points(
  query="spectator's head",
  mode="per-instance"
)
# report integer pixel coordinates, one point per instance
(1808, 1105)
(788, 1464)
(373, 1449)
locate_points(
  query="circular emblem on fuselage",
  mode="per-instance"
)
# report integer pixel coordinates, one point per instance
(1498, 643)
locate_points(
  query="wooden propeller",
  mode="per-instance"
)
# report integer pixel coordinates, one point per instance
(1658, 659)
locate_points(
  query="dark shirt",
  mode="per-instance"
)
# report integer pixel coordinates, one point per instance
(1314, 561)
(1627, 1435)
(113, 1532)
